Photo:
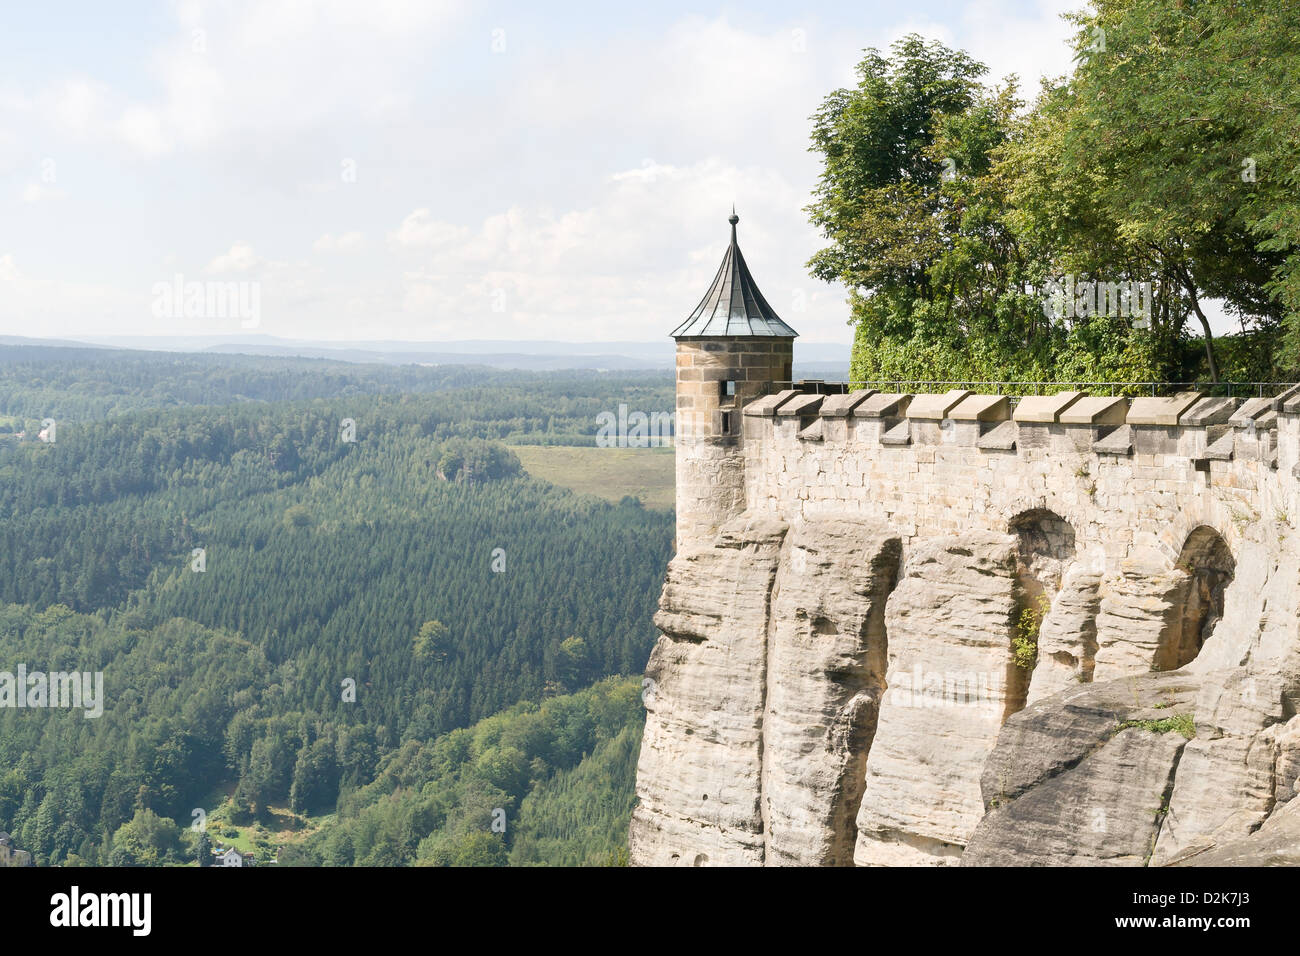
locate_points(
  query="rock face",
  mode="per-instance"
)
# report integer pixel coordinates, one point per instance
(1139, 605)
(1100, 774)
(701, 756)
(825, 676)
(1276, 843)
(1083, 777)
(813, 703)
(952, 677)
(766, 684)
(1067, 639)
(1240, 767)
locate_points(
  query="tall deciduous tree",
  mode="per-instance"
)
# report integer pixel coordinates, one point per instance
(1171, 155)
(916, 211)
(1176, 141)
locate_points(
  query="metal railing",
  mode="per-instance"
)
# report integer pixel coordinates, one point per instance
(1016, 390)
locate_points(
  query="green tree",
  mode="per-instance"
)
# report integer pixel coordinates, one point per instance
(315, 778)
(1170, 156)
(432, 642)
(915, 209)
(571, 663)
(147, 840)
(1171, 153)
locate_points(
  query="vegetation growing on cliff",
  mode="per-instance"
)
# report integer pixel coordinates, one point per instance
(1183, 724)
(1024, 644)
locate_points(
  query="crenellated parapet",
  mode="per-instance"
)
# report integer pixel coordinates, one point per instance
(1127, 473)
(1189, 423)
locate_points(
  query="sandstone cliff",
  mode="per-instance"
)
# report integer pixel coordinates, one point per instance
(701, 757)
(952, 676)
(823, 696)
(1162, 768)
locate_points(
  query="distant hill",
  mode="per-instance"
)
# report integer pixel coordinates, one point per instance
(813, 360)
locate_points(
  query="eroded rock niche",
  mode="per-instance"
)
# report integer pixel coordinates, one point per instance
(1208, 567)
(1045, 542)
(1045, 549)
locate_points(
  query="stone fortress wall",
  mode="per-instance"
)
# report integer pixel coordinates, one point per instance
(1132, 477)
(911, 584)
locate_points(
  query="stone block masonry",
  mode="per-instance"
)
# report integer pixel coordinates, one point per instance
(1120, 504)
(716, 377)
(846, 561)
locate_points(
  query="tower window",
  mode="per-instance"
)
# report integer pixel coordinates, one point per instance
(727, 389)
(726, 423)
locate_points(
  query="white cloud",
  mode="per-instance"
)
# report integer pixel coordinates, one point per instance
(541, 206)
(78, 105)
(240, 258)
(38, 307)
(346, 242)
(271, 69)
(35, 192)
(630, 265)
(143, 130)
(1031, 46)
(421, 229)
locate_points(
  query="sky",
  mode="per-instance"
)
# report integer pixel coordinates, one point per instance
(432, 170)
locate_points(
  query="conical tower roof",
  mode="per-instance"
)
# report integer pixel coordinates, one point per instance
(733, 306)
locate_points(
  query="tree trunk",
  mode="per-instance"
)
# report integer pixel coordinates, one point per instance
(1190, 286)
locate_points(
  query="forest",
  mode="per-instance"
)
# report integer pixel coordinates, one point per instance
(308, 593)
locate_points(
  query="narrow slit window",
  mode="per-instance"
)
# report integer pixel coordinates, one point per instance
(726, 423)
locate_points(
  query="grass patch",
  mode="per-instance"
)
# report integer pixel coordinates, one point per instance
(609, 473)
(278, 827)
(1178, 723)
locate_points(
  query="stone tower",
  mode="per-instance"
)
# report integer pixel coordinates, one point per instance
(732, 349)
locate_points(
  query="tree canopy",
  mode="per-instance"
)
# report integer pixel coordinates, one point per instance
(1168, 157)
